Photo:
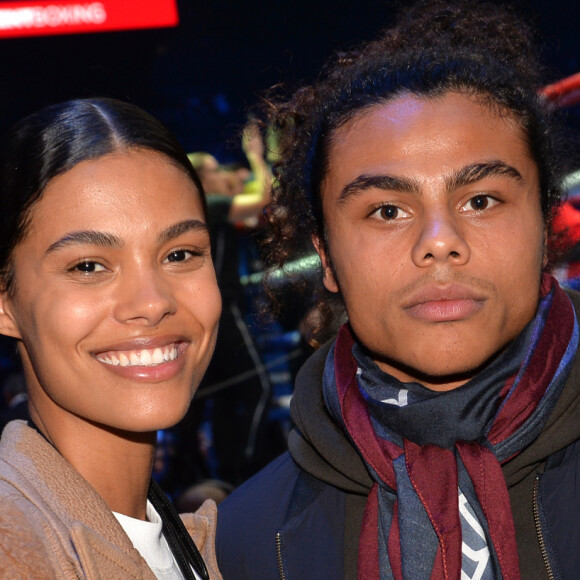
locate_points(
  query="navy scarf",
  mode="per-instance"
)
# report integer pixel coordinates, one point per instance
(421, 447)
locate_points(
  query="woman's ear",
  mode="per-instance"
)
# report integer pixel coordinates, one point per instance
(328, 276)
(7, 323)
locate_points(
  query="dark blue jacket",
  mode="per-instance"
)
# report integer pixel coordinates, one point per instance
(266, 533)
(275, 531)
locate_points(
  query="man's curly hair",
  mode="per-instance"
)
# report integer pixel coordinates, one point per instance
(435, 47)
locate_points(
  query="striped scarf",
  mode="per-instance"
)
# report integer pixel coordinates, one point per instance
(432, 453)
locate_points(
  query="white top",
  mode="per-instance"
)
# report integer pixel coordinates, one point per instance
(148, 539)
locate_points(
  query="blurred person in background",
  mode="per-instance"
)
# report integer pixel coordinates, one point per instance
(236, 389)
(15, 398)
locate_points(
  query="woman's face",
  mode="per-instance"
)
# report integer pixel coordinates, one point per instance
(115, 301)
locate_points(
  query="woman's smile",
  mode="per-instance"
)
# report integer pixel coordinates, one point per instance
(145, 357)
(154, 364)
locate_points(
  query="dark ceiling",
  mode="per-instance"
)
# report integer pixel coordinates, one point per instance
(201, 77)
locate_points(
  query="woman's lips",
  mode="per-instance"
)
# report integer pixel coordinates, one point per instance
(157, 362)
(141, 357)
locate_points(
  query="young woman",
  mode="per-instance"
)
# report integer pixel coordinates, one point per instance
(108, 288)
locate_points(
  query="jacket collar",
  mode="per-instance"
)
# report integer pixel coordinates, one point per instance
(50, 482)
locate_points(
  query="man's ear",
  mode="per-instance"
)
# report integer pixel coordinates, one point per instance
(328, 277)
(545, 257)
(7, 324)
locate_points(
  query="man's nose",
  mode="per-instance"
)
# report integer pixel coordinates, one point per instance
(440, 240)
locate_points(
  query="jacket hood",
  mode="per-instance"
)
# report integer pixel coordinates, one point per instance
(317, 443)
(322, 448)
(561, 429)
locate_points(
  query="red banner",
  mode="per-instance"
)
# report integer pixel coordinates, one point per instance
(74, 17)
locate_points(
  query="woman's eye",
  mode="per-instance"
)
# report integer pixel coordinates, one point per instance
(89, 267)
(479, 203)
(390, 212)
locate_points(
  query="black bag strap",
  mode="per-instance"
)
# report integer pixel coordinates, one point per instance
(180, 542)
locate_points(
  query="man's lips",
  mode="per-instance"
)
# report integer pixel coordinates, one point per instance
(444, 303)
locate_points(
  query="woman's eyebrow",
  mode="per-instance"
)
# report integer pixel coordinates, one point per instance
(176, 230)
(86, 238)
(93, 238)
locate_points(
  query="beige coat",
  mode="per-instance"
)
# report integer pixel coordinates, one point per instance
(53, 524)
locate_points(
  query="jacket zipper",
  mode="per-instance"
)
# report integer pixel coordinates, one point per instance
(279, 556)
(539, 533)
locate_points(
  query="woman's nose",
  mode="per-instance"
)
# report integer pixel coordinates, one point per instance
(144, 297)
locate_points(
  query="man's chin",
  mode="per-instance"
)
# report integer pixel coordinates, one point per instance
(434, 372)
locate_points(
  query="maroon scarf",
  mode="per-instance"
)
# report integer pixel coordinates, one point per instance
(525, 401)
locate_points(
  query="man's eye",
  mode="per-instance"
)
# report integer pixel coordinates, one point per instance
(182, 255)
(390, 212)
(88, 267)
(479, 203)
(178, 256)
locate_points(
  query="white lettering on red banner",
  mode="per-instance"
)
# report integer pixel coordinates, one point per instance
(48, 17)
(52, 16)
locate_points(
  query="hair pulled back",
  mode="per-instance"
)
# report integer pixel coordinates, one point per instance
(54, 140)
(435, 47)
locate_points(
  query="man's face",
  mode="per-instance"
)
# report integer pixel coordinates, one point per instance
(435, 235)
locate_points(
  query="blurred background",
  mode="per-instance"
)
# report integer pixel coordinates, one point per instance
(200, 67)
(200, 76)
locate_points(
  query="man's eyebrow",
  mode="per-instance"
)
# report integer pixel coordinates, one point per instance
(465, 176)
(180, 228)
(386, 182)
(86, 238)
(477, 171)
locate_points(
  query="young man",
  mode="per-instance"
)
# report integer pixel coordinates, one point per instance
(436, 437)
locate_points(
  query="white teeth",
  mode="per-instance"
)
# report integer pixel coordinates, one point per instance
(143, 357)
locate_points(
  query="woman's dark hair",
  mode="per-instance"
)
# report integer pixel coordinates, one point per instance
(435, 47)
(54, 140)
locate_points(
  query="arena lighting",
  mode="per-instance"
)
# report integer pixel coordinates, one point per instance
(26, 18)
(304, 267)
(564, 93)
